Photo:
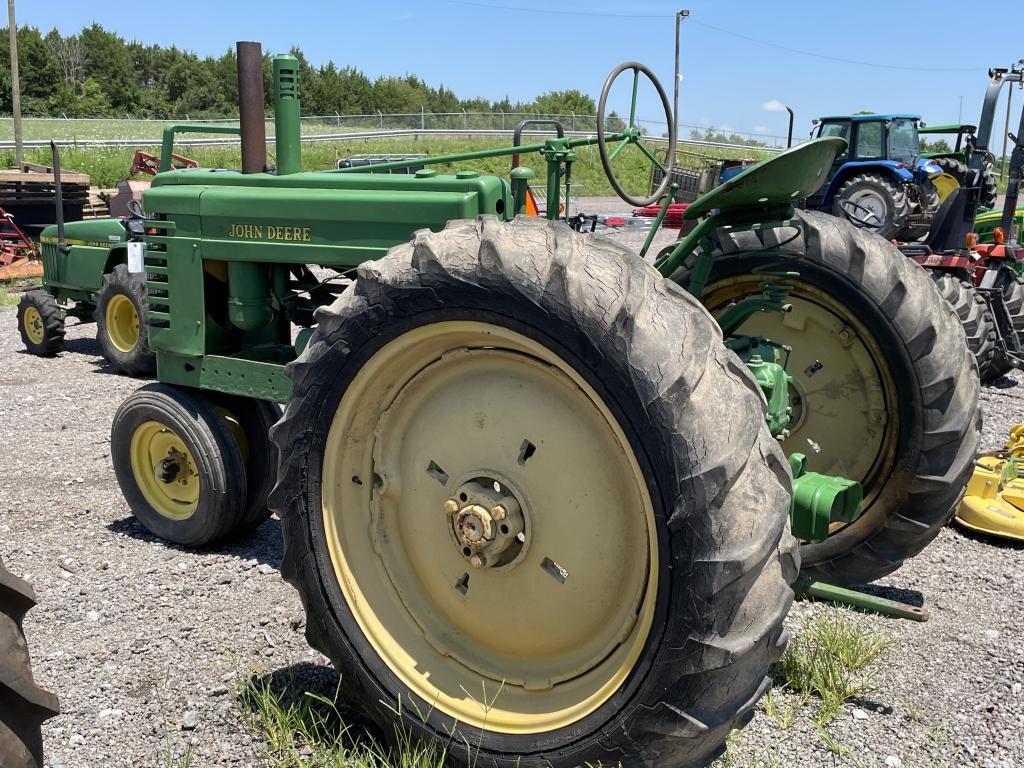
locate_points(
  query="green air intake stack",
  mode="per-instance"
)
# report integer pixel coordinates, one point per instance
(286, 114)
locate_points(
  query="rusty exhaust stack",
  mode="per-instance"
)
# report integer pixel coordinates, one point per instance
(251, 117)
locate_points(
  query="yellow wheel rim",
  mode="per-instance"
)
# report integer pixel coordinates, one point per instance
(35, 329)
(843, 394)
(165, 470)
(551, 625)
(122, 323)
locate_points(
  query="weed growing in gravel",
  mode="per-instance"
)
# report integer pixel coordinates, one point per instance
(169, 754)
(730, 760)
(783, 711)
(828, 660)
(836, 747)
(310, 731)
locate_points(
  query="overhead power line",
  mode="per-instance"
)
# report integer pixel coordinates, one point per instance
(556, 12)
(826, 57)
(721, 30)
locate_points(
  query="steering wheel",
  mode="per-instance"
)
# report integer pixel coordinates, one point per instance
(632, 134)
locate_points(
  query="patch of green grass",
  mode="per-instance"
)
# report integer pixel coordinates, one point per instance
(107, 166)
(829, 660)
(309, 730)
(10, 294)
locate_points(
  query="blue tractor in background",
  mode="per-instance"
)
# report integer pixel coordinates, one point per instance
(881, 182)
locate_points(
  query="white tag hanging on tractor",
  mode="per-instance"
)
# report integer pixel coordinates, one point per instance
(135, 257)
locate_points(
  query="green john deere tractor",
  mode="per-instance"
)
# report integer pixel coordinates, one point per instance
(534, 495)
(86, 275)
(89, 275)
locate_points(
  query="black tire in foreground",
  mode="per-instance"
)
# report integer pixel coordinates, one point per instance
(977, 321)
(1012, 287)
(23, 705)
(41, 323)
(417, 379)
(253, 418)
(879, 203)
(122, 306)
(885, 390)
(178, 464)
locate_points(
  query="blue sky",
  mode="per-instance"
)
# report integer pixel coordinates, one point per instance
(478, 48)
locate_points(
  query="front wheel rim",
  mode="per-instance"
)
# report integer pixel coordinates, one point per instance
(518, 635)
(122, 322)
(35, 328)
(165, 471)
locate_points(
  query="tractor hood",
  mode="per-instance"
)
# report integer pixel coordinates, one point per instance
(101, 233)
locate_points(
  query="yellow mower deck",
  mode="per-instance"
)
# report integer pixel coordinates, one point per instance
(994, 501)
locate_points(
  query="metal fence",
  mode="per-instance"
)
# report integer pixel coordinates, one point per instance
(128, 131)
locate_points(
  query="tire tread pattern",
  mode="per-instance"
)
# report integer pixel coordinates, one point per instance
(934, 473)
(730, 588)
(23, 705)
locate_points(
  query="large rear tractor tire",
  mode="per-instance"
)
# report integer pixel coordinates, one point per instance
(179, 465)
(41, 323)
(121, 309)
(1012, 286)
(884, 387)
(975, 318)
(530, 501)
(874, 203)
(23, 705)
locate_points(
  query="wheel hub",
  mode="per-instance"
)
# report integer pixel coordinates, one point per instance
(171, 466)
(487, 522)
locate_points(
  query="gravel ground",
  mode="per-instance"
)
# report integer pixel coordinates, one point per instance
(145, 643)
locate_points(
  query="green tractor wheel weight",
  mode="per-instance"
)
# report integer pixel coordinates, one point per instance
(821, 502)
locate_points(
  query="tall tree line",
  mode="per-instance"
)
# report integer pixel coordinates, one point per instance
(97, 73)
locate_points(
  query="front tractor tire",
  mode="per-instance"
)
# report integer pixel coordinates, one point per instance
(884, 386)
(179, 465)
(873, 202)
(41, 323)
(122, 306)
(531, 502)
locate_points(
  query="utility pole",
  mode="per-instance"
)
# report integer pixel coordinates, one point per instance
(960, 112)
(12, 29)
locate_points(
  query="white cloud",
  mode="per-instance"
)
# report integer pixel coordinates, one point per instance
(760, 129)
(773, 105)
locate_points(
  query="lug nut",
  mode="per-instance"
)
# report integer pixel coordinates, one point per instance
(477, 561)
(451, 507)
(498, 512)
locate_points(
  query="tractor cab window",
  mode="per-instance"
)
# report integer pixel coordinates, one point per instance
(869, 140)
(904, 144)
(839, 130)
